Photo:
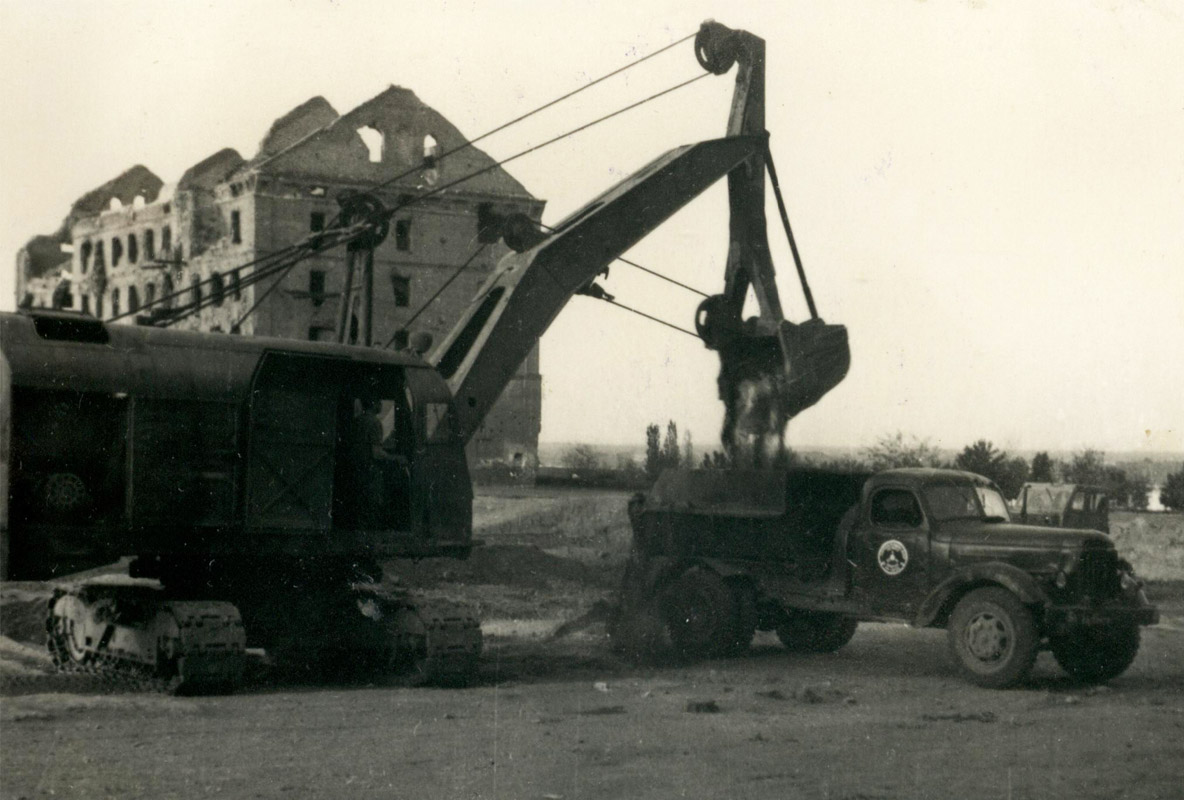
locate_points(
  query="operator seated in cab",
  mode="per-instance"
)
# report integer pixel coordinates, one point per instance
(378, 473)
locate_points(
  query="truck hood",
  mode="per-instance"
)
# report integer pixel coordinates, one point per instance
(975, 534)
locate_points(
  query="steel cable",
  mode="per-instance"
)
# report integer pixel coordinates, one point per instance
(319, 245)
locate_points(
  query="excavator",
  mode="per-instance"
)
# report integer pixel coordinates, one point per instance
(224, 469)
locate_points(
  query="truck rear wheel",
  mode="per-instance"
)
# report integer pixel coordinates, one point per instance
(815, 631)
(700, 611)
(993, 637)
(1095, 655)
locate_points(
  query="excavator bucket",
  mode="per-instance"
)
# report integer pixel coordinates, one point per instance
(816, 357)
(767, 379)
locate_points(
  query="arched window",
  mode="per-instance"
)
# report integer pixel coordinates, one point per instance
(236, 287)
(194, 290)
(115, 302)
(84, 255)
(217, 288)
(115, 204)
(374, 141)
(149, 294)
(150, 244)
(133, 299)
(166, 240)
(133, 249)
(431, 150)
(166, 289)
(116, 251)
(100, 259)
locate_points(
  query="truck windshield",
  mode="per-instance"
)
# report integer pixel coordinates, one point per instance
(950, 501)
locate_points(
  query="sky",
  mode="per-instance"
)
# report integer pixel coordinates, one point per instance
(989, 195)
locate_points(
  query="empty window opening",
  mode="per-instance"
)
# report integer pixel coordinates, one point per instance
(236, 227)
(236, 286)
(84, 256)
(316, 221)
(168, 208)
(236, 189)
(115, 302)
(100, 259)
(133, 249)
(138, 201)
(115, 204)
(401, 285)
(431, 150)
(194, 291)
(166, 291)
(166, 240)
(86, 304)
(217, 288)
(149, 294)
(150, 244)
(374, 141)
(116, 251)
(403, 234)
(99, 306)
(133, 299)
(316, 286)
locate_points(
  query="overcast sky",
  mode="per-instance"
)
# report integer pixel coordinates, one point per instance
(990, 195)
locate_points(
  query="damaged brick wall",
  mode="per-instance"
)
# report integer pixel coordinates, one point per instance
(226, 212)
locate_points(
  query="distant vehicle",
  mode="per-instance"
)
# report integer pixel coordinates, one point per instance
(1062, 505)
(719, 554)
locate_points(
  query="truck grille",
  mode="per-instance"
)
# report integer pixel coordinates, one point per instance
(1097, 574)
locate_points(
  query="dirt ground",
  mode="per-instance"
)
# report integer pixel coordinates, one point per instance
(886, 717)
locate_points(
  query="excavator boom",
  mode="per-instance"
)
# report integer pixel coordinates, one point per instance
(528, 290)
(770, 368)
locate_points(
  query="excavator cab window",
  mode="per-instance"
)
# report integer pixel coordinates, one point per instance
(375, 446)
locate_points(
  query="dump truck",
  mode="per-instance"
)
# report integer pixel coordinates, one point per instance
(810, 553)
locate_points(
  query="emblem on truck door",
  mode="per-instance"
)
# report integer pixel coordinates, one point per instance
(893, 557)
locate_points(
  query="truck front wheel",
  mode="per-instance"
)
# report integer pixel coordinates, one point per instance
(993, 637)
(1094, 654)
(815, 631)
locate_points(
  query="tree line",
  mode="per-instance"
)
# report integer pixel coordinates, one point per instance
(1126, 488)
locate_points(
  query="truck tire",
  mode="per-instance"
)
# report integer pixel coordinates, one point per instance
(1096, 655)
(815, 631)
(700, 612)
(993, 637)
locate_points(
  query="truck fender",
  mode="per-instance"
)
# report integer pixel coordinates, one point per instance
(1012, 578)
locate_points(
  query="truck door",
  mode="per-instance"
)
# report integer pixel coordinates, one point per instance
(894, 562)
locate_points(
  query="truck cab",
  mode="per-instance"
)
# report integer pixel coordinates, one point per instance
(810, 554)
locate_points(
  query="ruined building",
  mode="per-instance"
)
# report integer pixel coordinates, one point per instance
(134, 240)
